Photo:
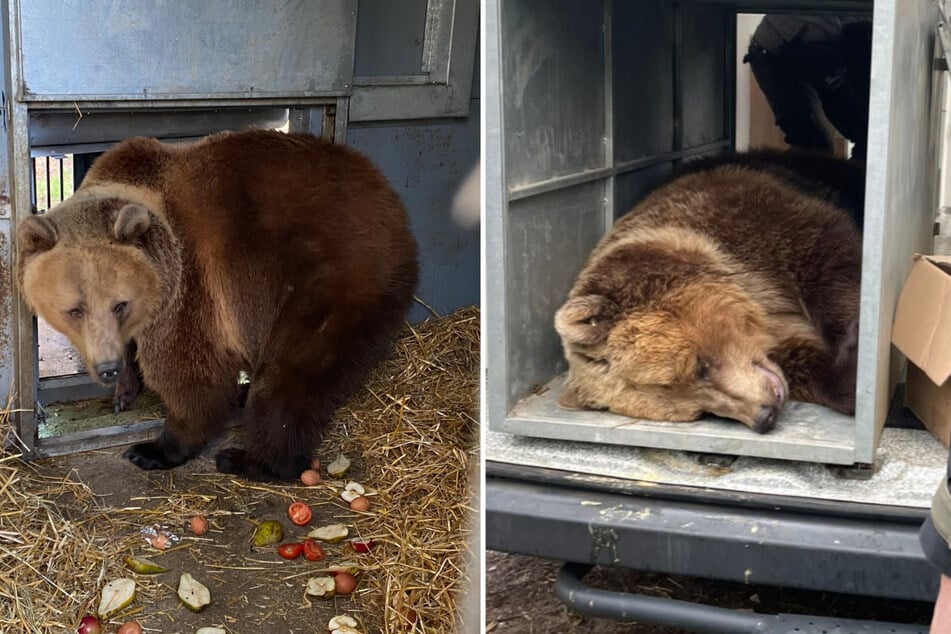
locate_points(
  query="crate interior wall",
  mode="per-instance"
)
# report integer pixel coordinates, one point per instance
(596, 103)
(263, 67)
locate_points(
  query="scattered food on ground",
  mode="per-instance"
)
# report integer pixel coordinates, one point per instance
(72, 523)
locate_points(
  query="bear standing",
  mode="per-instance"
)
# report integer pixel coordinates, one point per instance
(727, 291)
(279, 255)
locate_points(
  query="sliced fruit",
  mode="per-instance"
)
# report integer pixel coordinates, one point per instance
(341, 621)
(352, 491)
(211, 630)
(338, 468)
(322, 587)
(268, 532)
(332, 533)
(291, 550)
(362, 546)
(299, 513)
(313, 551)
(344, 566)
(143, 566)
(195, 595)
(116, 595)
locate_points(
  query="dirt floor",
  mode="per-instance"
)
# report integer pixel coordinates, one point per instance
(252, 589)
(67, 523)
(520, 598)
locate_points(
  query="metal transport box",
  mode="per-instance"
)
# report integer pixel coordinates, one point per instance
(590, 105)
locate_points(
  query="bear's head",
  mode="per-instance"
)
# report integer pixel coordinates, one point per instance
(702, 350)
(89, 268)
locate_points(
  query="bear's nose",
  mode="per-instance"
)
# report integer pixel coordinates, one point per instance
(766, 419)
(108, 371)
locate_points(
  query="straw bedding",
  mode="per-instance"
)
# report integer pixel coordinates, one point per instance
(413, 436)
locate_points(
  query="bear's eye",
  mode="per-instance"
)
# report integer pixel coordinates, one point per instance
(76, 313)
(119, 308)
(703, 370)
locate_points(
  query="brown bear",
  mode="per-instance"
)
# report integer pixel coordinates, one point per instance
(726, 291)
(279, 255)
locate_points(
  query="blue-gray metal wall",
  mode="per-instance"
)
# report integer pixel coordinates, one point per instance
(426, 162)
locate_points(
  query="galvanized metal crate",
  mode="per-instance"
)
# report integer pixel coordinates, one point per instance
(588, 106)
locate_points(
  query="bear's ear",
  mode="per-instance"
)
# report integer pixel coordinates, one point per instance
(36, 234)
(131, 222)
(585, 320)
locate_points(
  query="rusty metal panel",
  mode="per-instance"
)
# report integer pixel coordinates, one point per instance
(123, 49)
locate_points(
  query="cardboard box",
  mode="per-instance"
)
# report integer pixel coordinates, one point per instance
(922, 332)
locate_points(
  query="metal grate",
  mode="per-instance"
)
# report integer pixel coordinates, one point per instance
(52, 180)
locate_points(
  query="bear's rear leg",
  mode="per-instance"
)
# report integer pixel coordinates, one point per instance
(282, 419)
(295, 393)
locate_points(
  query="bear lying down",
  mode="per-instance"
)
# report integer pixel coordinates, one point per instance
(727, 291)
(275, 254)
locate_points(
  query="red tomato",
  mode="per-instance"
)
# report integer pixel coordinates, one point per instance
(291, 550)
(299, 513)
(313, 551)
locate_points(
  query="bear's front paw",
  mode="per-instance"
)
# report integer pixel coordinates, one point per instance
(149, 456)
(125, 398)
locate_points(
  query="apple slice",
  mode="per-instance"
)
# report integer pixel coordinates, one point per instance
(195, 595)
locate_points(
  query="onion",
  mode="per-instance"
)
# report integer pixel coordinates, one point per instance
(344, 583)
(89, 625)
(199, 525)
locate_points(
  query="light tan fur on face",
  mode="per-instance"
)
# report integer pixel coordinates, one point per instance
(647, 368)
(93, 281)
(645, 362)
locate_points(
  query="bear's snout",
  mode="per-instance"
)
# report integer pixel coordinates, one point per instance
(765, 420)
(108, 371)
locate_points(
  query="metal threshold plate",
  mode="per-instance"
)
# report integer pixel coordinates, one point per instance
(805, 432)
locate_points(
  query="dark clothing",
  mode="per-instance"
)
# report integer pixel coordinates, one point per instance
(935, 533)
(804, 64)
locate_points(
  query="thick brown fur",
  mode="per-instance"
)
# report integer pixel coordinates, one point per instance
(276, 254)
(724, 292)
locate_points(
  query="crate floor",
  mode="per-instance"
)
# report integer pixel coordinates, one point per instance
(804, 432)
